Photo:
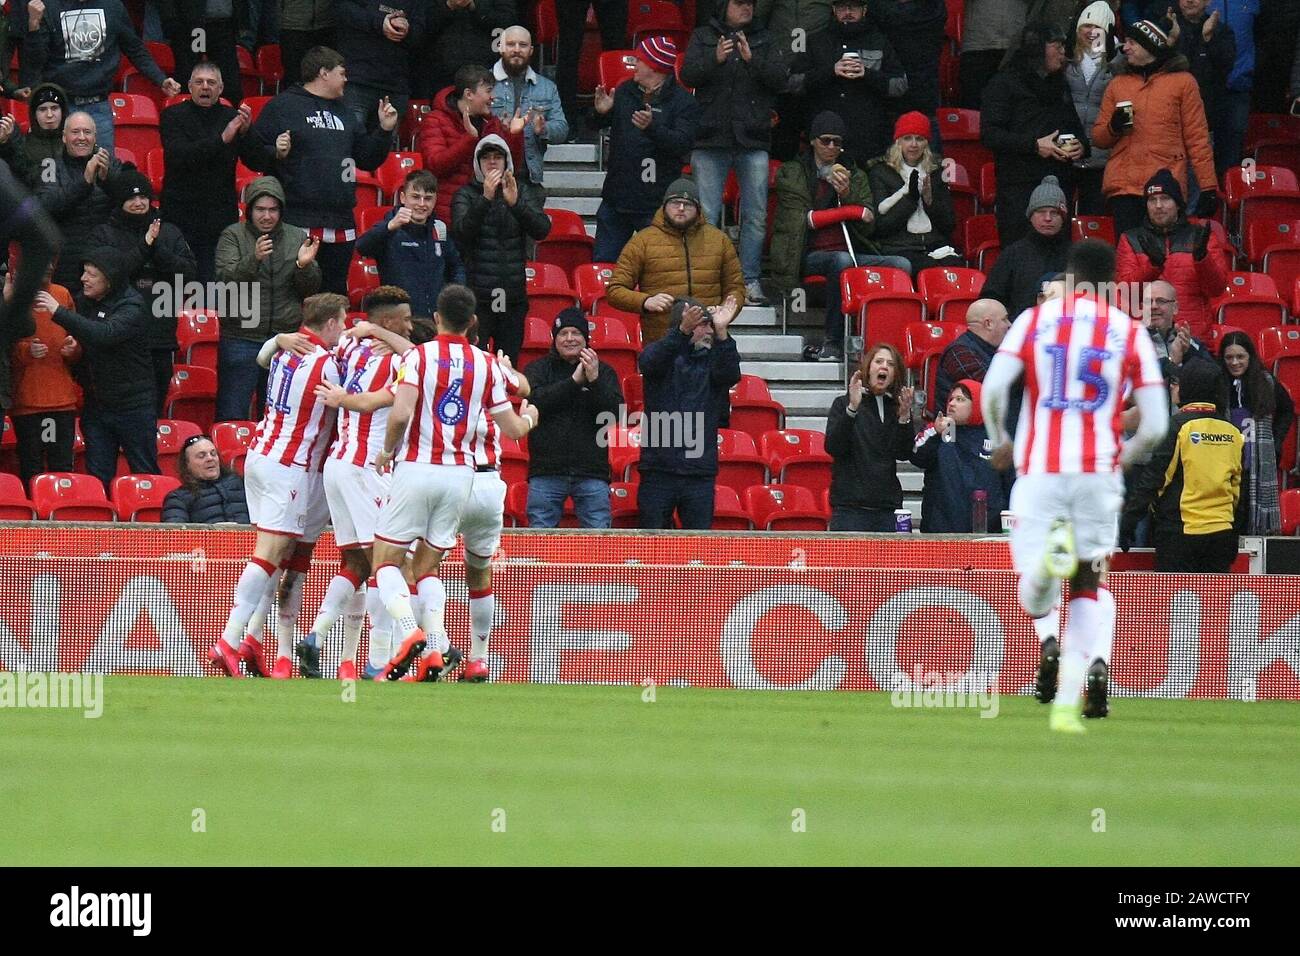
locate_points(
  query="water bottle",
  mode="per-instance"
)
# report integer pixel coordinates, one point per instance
(979, 511)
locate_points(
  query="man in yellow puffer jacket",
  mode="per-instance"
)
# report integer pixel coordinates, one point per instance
(678, 254)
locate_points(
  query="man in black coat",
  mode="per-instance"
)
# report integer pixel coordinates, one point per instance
(1015, 278)
(915, 29)
(688, 375)
(113, 329)
(459, 32)
(492, 219)
(1027, 108)
(217, 25)
(579, 398)
(202, 139)
(378, 39)
(651, 118)
(854, 71)
(157, 260)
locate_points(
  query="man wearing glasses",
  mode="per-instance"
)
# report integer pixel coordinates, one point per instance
(824, 217)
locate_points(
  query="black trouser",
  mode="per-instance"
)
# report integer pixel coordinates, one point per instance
(164, 362)
(660, 494)
(845, 518)
(45, 442)
(219, 47)
(505, 329)
(1195, 553)
(976, 69)
(572, 14)
(134, 431)
(204, 247)
(1092, 202)
(293, 45)
(1129, 212)
(334, 258)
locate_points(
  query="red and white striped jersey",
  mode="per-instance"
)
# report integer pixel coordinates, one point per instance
(361, 435)
(1078, 356)
(457, 384)
(489, 452)
(297, 427)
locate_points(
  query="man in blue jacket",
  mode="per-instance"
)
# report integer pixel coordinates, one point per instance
(687, 374)
(652, 123)
(313, 144)
(413, 248)
(522, 91)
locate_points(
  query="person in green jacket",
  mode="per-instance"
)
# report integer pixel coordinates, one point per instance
(824, 217)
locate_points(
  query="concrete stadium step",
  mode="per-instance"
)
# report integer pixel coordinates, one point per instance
(755, 346)
(582, 205)
(800, 371)
(571, 153)
(567, 182)
(806, 401)
(815, 423)
(756, 316)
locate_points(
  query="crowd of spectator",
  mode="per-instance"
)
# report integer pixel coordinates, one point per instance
(1132, 110)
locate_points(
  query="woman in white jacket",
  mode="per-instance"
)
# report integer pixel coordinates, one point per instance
(1087, 75)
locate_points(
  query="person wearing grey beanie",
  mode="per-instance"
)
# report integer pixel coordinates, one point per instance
(1016, 277)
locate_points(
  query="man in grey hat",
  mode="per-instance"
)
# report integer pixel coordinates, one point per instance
(1016, 277)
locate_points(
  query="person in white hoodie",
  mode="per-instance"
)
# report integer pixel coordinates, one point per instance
(1087, 74)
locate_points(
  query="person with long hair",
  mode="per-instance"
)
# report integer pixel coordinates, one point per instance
(868, 431)
(914, 215)
(1261, 407)
(1089, 71)
(210, 493)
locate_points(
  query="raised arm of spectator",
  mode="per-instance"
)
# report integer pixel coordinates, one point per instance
(1212, 270)
(34, 48)
(139, 54)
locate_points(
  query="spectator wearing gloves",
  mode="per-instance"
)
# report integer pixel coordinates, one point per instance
(413, 248)
(1163, 126)
(578, 396)
(210, 493)
(824, 218)
(520, 91)
(1192, 258)
(1192, 484)
(1028, 121)
(954, 453)
(1091, 68)
(651, 120)
(1015, 278)
(914, 215)
(1261, 407)
(868, 431)
(154, 254)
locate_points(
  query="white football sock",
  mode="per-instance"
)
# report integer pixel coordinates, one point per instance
(341, 588)
(397, 599)
(248, 593)
(1105, 646)
(257, 626)
(482, 606)
(1049, 625)
(354, 615)
(1038, 595)
(1083, 638)
(286, 615)
(433, 596)
(381, 626)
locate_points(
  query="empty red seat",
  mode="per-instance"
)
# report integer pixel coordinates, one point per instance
(363, 276)
(155, 169)
(140, 497)
(537, 341)
(753, 410)
(270, 68)
(233, 438)
(590, 281)
(614, 343)
(739, 463)
(622, 505)
(409, 125)
(980, 241)
(192, 395)
(198, 332)
(1094, 227)
(949, 291)
(135, 123)
(516, 512)
(624, 454)
(797, 456)
(257, 104)
(14, 503)
(513, 460)
(882, 301)
(614, 67)
(567, 245)
(1290, 501)
(65, 496)
(549, 292)
(728, 512)
(394, 170)
(784, 508)
(8, 446)
(633, 392)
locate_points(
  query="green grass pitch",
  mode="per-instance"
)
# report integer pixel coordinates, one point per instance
(289, 773)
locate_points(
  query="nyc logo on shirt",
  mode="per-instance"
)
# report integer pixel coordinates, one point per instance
(83, 33)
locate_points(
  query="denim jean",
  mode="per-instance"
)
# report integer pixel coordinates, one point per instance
(135, 432)
(547, 494)
(102, 114)
(238, 377)
(661, 493)
(710, 167)
(830, 265)
(614, 229)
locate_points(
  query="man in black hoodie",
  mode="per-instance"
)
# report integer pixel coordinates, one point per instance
(377, 39)
(855, 72)
(202, 139)
(1027, 107)
(155, 257)
(579, 397)
(113, 329)
(1014, 279)
(312, 143)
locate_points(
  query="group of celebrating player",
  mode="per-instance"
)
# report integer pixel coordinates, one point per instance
(342, 408)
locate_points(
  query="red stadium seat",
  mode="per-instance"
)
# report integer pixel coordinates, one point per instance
(548, 290)
(753, 410)
(370, 217)
(517, 505)
(256, 104)
(633, 392)
(198, 332)
(1271, 212)
(623, 506)
(1277, 345)
(614, 67)
(363, 275)
(1270, 129)
(614, 343)
(395, 169)
(1290, 501)
(1255, 180)
(126, 156)
(250, 80)
(739, 463)
(988, 187)
(14, 503)
(1282, 265)
(140, 497)
(797, 456)
(65, 496)
(979, 239)
(1094, 227)
(1251, 303)
(8, 446)
(233, 438)
(646, 18)
(154, 168)
(784, 508)
(960, 131)
(369, 192)
(135, 123)
(965, 194)
(270, 69)
(192, 395)
(728, 513)
(567, 245)
(924, 345)
(624, 453)
(591, 280)
(18, 110)
(409, 125)
(513, 460)
(1264, 236)
(537, 341)
(882, 301)
(949, 291)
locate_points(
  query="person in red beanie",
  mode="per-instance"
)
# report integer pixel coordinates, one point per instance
(914, 215)
(954, 452)
(652, 123)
